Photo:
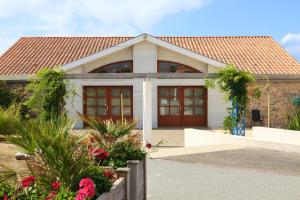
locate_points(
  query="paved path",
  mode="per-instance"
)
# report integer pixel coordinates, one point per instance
(201, 178)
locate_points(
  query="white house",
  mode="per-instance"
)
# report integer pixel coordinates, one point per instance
(159, 79)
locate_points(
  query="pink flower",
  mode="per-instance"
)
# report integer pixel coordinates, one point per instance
(55, 185)
(27, 181)
(99, 153)
(51, 195)
(87, 189)
(149, 146)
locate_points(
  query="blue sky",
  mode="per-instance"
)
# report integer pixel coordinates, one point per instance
(278, 18)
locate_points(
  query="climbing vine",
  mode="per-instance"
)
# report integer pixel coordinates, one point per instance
(235, 84)
(48, 91)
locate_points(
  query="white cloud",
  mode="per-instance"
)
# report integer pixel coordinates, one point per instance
(291, 42)
(86, 17)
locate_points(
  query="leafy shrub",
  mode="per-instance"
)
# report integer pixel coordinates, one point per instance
(6, 96)
(296, 101)
(293, 119)
(10, 120)
(65, 194)
(48, 91)
(55, 150)
(6, 190)
(117, 138)
(235, 85)
(121, 152)
(102, 183)
(107, 132)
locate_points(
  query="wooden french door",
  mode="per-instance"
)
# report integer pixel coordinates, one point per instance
(182, 106)
(105, 102)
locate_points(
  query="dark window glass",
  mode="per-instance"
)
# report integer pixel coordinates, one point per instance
(119, 67)
(171, 67)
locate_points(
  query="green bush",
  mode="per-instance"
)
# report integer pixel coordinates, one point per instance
(293, 119)
(102, 183)
(117, 138)
(54, 148)
(48, 92)
(121, 152)
(10, 120)
(65, 194)
(6, 190)
(6, 96)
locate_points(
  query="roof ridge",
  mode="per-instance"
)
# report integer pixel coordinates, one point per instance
(160, 36)
(68, 36)
(223, 36)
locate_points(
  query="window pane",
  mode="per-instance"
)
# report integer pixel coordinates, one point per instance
(116, 111)
(101, 102)
(163, 92)
(91, 92)
(188, 92)
(188, 110)
(102, 111)
(174, 102)
(127, 102)
(120, 67)
(171, 67)
(101, 92)
(164, 102)
(174, 110)
(199, 101)
(174, 92)
(91, 111)
(127, 111)
(188, 101)
(198, 92)
(164, 110)
(115, 92)
(91, 102)
(126, 93)
(115, 102)
(199, 111)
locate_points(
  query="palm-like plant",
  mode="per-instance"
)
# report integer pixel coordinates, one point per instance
(108, 133)
(55, 151)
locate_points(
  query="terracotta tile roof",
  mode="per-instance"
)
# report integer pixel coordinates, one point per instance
(257, 54)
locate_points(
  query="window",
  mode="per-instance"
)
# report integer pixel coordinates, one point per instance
(118, 67)
(172, 67)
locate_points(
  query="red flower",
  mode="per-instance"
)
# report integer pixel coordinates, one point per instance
(55, 185)
(87, 189)
(108, 174)
(51, 195)
(27, 181)
(99, 153)
(149, 146)
(5, 197)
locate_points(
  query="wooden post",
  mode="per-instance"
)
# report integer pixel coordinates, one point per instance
(122, 114)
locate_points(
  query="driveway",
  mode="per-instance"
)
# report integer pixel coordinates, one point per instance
(238, 174)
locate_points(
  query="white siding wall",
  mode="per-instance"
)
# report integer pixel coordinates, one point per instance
(168, 55)
(217, 108)
(76, 105)
(144, 58)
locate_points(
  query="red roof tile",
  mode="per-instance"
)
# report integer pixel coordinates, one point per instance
(257, 54)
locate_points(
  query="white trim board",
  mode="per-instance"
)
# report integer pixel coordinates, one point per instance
(138, 39)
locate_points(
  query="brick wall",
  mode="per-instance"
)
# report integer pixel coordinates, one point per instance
(281, 94)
